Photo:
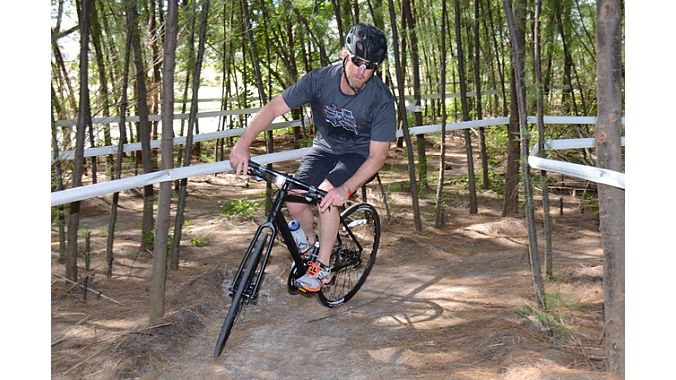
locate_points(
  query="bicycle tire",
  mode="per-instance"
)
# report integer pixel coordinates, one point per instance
(354, 254)
(238, 294)
(291, 280)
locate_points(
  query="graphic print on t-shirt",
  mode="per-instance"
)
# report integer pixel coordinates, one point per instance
(340, 117)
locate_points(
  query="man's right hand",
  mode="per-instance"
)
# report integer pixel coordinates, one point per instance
(240, 156)
(239, 159)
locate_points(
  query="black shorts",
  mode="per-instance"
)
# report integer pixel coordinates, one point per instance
(318, 165)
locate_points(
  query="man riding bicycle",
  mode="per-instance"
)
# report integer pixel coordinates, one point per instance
(355, 120)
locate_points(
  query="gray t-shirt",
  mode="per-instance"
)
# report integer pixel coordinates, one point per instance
(345, 123)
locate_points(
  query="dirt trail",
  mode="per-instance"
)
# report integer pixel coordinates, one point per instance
(439, 304)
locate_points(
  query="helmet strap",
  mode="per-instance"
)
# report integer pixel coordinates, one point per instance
(347, 80)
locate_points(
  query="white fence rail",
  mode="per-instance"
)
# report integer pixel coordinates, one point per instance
(591, 173)
(608, 177)
(132, 147)
(136, 118)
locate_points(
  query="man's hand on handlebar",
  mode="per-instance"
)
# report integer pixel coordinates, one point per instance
(334, 197)
(239, 159)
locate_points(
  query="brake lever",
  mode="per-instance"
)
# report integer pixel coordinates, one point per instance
(312, 195)
(256, 173)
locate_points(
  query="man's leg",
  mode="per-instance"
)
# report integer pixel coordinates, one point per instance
(329, 222)
(314, 167)
(303, 214)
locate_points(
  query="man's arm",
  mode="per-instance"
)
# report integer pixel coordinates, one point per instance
(239, 157)
(377, 155)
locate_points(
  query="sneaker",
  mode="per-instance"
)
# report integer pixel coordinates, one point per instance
(317, 275)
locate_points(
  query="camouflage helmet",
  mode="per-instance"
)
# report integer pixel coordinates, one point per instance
(367, 42)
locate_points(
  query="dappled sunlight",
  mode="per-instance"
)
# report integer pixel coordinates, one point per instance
(412, 358)
(438, 303)
(121, 324)
(422, 319)
(505, 227)
(191, 264)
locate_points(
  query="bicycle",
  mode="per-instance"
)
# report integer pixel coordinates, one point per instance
(351, 261)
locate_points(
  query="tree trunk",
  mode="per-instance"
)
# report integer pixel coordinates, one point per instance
(92, 144)
(261, 93)
(355, 8)
(103, 85)
(159, 268)
(187, 155)
(609, 156)
(477, 83)
(518, 65)
(439, 213)
(189, 66)
(590, 40)
(219, 154)
(111, 54)
(376, 10)
(567, 92)
(156, 63)
(473, 207)
(339, 20)
(488, 53)
(66, 78)
(83, 116)
(58, 172)
(510, 205)
(118, 159)
(402, 119)
(409, 23)
(144, 123)
(547, 224)
(497, 36)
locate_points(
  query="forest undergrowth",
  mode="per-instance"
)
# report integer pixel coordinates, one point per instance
(452, 302)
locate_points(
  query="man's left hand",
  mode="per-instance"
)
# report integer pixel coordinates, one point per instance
(335, 197)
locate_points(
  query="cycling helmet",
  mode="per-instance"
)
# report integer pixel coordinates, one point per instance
(367, 42)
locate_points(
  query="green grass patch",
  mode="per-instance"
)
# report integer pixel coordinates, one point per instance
(558, 301)
(149, 239)
(400, 186)
(549, 321)
(242, 208)
(200, 241)
(559, 307)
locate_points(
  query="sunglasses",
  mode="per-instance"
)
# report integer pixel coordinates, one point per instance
(359, 62)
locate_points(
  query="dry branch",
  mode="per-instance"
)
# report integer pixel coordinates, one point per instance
(98, 293)
(69, 331)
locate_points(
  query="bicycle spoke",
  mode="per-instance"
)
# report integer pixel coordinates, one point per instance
(354, 256)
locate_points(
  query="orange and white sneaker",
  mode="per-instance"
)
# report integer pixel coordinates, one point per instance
(317, 275)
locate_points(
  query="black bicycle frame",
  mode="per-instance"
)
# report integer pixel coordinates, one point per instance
(276, 223)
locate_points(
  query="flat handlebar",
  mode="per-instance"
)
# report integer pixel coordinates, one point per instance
(273, 176)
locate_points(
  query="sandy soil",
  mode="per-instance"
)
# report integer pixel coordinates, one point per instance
(443, 303)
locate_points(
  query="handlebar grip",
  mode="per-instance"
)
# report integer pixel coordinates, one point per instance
(254, 164)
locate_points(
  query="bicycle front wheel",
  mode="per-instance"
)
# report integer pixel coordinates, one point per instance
(353, 255)
(241, 285)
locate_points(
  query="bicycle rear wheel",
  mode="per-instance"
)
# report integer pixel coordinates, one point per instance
(353, 255)
(241, 286)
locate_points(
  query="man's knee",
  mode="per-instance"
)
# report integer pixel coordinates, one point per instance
(296, 208)
(326, 185)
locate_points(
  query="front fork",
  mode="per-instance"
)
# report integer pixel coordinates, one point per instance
(265, 231)
(268, 230)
